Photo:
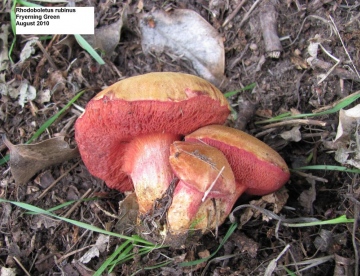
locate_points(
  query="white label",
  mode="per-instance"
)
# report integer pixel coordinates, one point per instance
(40, 20)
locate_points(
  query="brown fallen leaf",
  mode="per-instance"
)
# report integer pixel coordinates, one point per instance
(27, 160)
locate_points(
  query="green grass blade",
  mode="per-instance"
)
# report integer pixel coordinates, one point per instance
(328, 168)
(232, 93)
(63, 205)
(106, 264)
(87, 47)
(28, 4)
(38, 210)
(341, 104)
(339, 220)
(53, 118)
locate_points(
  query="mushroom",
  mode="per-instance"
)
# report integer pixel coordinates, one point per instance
(125, 133)
(255, 165)
(205, 176)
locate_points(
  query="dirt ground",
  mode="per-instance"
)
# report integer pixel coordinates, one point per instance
(40, 245)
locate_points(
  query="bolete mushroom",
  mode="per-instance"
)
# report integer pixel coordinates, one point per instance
(255, 165)
(126, 130)
(204, 175)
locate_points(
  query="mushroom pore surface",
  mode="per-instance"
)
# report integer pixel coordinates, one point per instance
(255, 165)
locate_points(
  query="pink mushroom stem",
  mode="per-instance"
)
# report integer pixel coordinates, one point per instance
(146, 161)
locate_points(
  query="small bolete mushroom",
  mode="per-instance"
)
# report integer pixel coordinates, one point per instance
(126, 130)
(204, 175)
(255, 165)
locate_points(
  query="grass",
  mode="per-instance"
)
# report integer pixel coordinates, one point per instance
(81, 41)
(335, 108)
(125, 251)
(328, 168)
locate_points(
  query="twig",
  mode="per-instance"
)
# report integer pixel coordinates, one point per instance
(71, 253)
(340, 72)
(317, 178)
(232, 15)
(22, 267)
(332, 68)
(268, 22)
(48, 57)
(342, 42)
(247, 15)
(57, 180)
(68, 213)
(296, 122)
(355, 229)
(212, 184)
(302, 26)
(272, 265)
(107, 213)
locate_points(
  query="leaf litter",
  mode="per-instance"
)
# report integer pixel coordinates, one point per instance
(280, 85)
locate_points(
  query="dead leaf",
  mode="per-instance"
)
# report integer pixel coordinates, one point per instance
(276, 200)
(128, 211)
(186, 34)
(324, 240)
(244, 244)
(27, 160)
(307, 197)
(292, 135)
(347, 121)
(99, 247)
(27, 93)
(106, 38)
(28, 50)
(349, 150)
(7, 271)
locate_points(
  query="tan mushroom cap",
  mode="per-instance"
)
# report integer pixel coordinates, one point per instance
(162, 87)
(199, 165)
(163, 103)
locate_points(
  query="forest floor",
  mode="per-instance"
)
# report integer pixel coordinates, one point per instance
(319, 46)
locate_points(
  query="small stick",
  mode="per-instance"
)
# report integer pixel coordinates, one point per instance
(268, 22)
(316, 178)
(57, 180)
(247, 15)
(212, 184)
(22, 267)
(232, 15)
(342, 42)
(48, 57)
(71, 253)
(68, 213)
(296, 122)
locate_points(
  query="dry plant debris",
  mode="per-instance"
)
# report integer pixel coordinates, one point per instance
(54, 69)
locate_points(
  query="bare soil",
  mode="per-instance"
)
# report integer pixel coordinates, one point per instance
(41, 245)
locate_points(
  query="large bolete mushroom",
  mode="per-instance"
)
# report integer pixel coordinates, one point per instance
(255, 165)
(125, 133)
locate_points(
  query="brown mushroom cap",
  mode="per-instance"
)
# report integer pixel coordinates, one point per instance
(155, 103)
(255, 165)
